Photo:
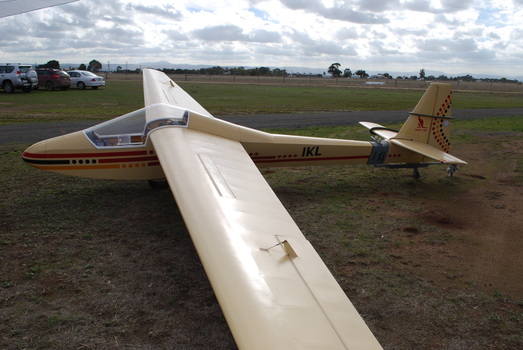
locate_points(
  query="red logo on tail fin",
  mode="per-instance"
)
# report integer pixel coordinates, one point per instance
(421, 123)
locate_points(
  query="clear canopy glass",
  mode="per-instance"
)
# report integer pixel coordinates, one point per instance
(132, 129)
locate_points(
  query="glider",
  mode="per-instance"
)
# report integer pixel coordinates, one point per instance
(273, 288)
(14, 7)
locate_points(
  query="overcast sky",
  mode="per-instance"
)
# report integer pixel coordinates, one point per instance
(452, 36)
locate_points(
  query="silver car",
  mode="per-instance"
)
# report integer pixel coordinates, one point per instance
(84, 78)
(18, 76)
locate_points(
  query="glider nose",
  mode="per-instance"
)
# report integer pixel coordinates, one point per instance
(35, 153)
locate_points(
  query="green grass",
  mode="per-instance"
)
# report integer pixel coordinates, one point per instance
(461, 128)
(124, 272)
(109, 264)
(121, 96)
(44, 106)
(514, 123)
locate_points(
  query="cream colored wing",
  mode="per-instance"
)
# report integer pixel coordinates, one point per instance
(14, 7)
(159, 88)
(273, 288)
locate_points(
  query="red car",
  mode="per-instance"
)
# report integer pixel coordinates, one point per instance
(52, 78)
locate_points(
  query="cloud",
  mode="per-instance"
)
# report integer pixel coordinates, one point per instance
(447, 6)
(442, 45)
(234, 33)
(343, 12)
(457, 50)
(378, 5)
(371, 34)
(456, 6)
(168, 12)
(265, 36)
(219, 33)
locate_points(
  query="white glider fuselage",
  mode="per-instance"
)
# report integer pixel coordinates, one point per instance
(129, 154)
(121, 148)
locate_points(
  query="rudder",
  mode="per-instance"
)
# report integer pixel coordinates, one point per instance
(429, 122)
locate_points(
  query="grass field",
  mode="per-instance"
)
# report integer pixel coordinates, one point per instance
(121, 96)
(430, 264)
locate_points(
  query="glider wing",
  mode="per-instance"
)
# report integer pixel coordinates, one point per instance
(273, 288)
(14, 7)
(159, 88)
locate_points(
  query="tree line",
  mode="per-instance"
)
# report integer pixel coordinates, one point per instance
(94, 66)
(334, 70)
(217, 70)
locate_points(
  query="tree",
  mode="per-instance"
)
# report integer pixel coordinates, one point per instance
(265, 71)
(347, 73)
(277, 72)
(422, 74)
(362, 73)
(216, 70)
(51, 64)
(94, 66)
(334, 69)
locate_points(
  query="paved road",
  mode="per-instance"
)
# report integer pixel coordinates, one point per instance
(31, 133)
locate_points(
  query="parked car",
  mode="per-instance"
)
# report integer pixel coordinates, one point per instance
(18, 76)
(52, 78)
(83, 78)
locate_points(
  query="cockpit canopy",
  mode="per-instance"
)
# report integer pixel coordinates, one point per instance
(132, 129)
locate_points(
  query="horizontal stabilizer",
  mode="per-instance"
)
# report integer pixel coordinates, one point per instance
(428, 151)
(380, 130)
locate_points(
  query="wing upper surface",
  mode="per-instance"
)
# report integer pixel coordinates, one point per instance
(282, 297)
(159, 88)
(14, 7)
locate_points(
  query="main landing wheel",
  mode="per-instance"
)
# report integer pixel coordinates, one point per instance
(158, 184)
(416, 174)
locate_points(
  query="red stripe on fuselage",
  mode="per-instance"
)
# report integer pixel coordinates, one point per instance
(124, 160)
(85, 155)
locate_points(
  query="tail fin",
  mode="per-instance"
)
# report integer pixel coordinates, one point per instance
(426, 131)
(429, 122)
